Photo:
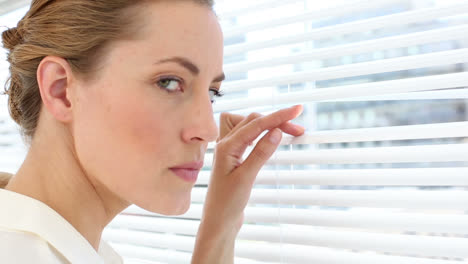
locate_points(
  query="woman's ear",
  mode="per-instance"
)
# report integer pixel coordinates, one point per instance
(54, 76)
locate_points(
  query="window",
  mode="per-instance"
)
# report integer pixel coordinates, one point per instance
(381, 175)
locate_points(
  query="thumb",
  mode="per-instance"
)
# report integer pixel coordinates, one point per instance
(260, 155)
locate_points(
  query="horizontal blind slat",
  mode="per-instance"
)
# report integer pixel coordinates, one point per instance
(453, 94)
(400, 19)
(443, 81)
(405, 154)
(408, 199)
(300, 255)
(151, 254)
(148, 255)
(393, 42)
(274, 252)
(357, 69)
(348, 8)
(423, 245)
(163, 241)
(361, 177)
(360, 218)
(425, 131)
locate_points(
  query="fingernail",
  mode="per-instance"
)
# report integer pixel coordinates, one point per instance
(275, 136)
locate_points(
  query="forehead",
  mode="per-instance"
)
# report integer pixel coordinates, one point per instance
(177, 29)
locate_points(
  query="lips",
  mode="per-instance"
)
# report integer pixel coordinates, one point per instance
(189, 171)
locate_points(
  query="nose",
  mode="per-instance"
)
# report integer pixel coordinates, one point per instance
(200, 123)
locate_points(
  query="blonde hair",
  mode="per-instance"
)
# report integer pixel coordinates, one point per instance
(4, 179)
(76, 30)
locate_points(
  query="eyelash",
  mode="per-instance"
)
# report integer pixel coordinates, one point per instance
(216, 93)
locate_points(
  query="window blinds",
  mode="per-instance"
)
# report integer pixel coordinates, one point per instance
(381, 175)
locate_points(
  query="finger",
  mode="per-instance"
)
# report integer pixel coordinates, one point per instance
(227, 122)
(288, 128)
(245, 121)
(230, 123)
(252, 130)
(260, 155)
(292, 129)
(235, 145)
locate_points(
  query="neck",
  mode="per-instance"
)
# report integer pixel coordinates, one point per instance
(52, 174)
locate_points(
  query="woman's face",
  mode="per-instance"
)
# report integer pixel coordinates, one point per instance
(148, 115)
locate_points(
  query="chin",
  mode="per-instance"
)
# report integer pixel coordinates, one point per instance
(170, 207)
(179, 210)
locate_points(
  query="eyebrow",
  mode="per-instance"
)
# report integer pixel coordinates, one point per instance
(190, 66)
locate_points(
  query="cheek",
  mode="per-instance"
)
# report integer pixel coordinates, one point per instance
(119, 139)
(138, 125)
(126, 142)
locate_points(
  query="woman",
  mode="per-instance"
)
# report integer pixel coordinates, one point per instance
(114, 98)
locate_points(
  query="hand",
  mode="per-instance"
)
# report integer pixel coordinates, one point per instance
(232, 178)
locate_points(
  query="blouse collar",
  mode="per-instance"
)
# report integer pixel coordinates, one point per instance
(25, 214)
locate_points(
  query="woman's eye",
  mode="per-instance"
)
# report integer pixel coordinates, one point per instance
(215, 93)
(170, 84)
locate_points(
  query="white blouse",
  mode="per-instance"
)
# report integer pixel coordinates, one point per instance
(32, 232)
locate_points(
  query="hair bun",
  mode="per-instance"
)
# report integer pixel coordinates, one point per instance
(11, 38)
